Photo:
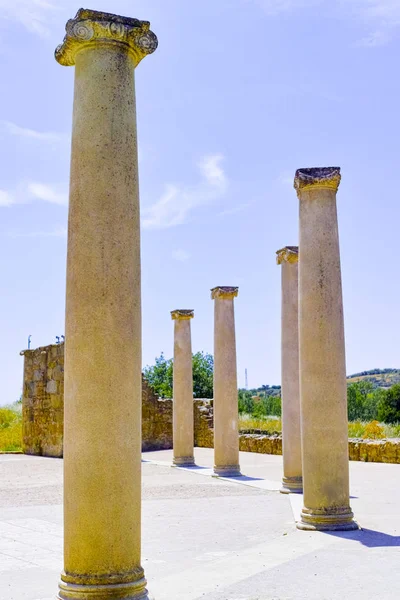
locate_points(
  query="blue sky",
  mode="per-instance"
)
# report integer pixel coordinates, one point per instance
(238, 95)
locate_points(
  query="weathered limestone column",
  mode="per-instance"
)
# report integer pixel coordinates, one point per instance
(322, 356)
(183, 429)
(291, 432)
(226, 426)
(102, 429)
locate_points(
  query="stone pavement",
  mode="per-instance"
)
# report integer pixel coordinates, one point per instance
(208, 538)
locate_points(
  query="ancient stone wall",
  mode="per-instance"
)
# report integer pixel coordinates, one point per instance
(43, 408)
(384, 451)
(43, 401)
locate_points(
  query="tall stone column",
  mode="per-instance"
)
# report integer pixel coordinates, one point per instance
(226, 426)
(291, 431)
(183, 429)
(323, 391)
(102, 435)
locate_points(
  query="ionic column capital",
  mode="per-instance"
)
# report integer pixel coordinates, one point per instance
(288, 254)
(91, 28)
(224, 292)
(317, 178)
(182, 314)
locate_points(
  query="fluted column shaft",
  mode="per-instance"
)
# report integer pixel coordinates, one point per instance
(322, 356)
(291, 432)
(183, 428)
(102, 422)
(226, 432)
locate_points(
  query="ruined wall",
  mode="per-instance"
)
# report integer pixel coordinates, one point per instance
(383, 451)
(43, 416)
(43, 401)
(43, 408)
(203, 424)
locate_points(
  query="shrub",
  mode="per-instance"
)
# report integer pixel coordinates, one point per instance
(374, 431)
(10, 428)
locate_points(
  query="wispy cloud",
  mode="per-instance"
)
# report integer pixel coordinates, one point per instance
(275, 7)
(25, 132)
(286, 178)
(376, 38)
(25, 193)
(234, 209)
(48, 193)
(34, 15)
(6, 199)
(179, 200)
(381, 17)
(180, 255)
(57, 232)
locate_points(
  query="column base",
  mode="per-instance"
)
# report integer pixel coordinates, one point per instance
(183, 461)
(133, 590)
(292, 485)
(339, 519)
(227, 471)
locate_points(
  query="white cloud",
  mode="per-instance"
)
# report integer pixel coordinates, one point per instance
(180, 255)
(6, 199)
(47, 193)
(179, 200)
(24, 132)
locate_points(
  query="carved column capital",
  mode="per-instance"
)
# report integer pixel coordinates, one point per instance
(92, 28)
(224, 292)
(288, 254)
(317, 178)
(182, 314)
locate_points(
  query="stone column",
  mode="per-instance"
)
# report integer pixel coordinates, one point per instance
(291, 431)
(323, 390)
(226, 432)
(102, 429)
(183, 430)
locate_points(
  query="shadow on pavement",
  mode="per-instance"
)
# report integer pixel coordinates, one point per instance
(368, 537)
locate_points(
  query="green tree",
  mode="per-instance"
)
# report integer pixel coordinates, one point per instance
(245, 402)
(160, 376)
(389, 405)
(203, 373)
(360, 401)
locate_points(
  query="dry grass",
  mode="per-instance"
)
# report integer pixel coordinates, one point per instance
(268, 424)
(10, 428)
(373, 430)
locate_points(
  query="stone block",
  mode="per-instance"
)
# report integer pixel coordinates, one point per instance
(52, 387)
(37, 375)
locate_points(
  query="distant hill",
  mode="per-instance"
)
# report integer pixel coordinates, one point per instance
(384, 378)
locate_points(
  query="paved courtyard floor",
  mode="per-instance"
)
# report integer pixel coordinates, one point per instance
(213, 539)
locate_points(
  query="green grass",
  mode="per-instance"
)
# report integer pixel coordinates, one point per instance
(11, 428)
(357, 429)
